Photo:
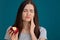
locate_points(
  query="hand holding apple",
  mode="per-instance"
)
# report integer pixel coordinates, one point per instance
(14, 29)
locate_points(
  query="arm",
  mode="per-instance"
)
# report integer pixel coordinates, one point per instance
(32, 30)
(33, 36)
(42, 39)
(9, 34)
(43, 33)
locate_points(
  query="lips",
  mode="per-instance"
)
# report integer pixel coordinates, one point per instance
(27, 17)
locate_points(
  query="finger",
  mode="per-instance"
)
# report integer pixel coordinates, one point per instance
(17, 33)
(32, 20)
(13, 37)
(11, 33)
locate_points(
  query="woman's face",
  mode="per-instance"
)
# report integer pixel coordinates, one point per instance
(28, 12)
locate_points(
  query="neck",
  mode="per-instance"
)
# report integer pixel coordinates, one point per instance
(26, 25)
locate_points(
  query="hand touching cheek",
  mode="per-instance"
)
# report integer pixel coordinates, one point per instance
(32, 25)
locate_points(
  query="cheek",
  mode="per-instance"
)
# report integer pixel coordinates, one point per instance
(33, 15)
(23, 15)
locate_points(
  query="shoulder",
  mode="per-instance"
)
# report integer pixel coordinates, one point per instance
(6, 34)
(9, 28)
(43, 32)
(42, 29)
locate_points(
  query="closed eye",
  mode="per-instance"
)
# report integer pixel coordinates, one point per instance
(31, 10)
(25, 10)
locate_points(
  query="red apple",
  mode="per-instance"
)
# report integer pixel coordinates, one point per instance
(14, 29)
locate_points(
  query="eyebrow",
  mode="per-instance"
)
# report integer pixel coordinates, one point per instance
(30, 9)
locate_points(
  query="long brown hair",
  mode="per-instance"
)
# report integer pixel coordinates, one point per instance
(19, 23)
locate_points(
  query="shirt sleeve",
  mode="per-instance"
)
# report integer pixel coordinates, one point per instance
(43, 33)
(6, 35)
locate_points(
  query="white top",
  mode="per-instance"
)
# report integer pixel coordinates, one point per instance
(43, 34)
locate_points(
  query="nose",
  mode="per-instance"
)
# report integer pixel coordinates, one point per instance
(28, 13)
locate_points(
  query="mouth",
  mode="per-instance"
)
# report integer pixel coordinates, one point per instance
(28, 17)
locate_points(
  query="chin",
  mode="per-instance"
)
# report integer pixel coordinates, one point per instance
(28, 20)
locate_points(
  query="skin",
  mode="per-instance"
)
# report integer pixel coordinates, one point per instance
(27, 16)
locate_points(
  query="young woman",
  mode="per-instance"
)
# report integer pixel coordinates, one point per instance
(27, 24)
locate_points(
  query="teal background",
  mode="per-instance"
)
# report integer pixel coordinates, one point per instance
(48, 12)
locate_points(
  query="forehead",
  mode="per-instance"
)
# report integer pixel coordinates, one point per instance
(29, 6)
